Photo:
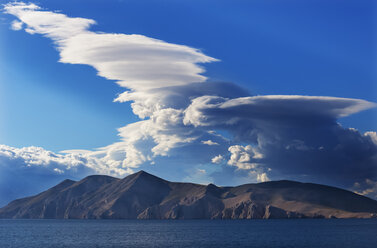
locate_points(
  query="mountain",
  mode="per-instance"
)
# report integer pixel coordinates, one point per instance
(144, 196)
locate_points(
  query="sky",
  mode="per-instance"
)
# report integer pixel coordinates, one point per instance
(227, 92)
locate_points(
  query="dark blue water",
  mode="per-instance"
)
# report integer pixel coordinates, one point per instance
(195, 233)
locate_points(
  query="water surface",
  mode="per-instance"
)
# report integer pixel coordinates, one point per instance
(306, 233)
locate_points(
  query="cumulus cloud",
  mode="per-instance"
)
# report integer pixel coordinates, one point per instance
(16, 25)
(28, 170)
(218, 159)
(189, 122)
(242, 157)
(262, 177)
(25, 171)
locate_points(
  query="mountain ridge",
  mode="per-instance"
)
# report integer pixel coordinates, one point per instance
(145, 196)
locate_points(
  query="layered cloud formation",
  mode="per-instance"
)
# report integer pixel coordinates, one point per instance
(217, 131)
(296, 136)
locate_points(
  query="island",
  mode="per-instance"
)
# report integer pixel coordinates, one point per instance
(145, 196)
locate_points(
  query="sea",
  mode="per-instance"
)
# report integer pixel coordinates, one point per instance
(305, 233)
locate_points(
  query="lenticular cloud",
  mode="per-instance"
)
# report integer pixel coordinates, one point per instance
(135, 61)
(216, 128)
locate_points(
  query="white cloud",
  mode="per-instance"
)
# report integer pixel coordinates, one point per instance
(296, 136)
(293, 135)
(59, 171)
(54, 25)
(336, 106)
(139, 63)
(29, 170)
(262, 178)
(244, 157)
(136, 61)
(218, 159)
(69, 164)
(210, 143)
(16, 25)
(372, 136)
(264, 108)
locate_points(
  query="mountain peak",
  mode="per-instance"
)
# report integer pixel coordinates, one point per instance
(143, 174)
(98, 179)
(145, 196)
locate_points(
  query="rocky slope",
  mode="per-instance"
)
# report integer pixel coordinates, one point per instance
(144, 196)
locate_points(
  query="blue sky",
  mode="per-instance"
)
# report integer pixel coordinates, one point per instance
(303, 48)
(268, 47)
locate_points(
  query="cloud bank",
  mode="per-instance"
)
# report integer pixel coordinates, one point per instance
(295, 136)
(199, 130)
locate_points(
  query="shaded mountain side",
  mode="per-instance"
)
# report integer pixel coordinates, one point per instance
(144, 196)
